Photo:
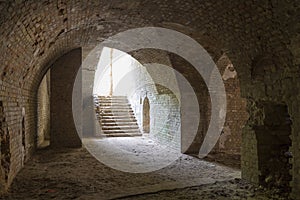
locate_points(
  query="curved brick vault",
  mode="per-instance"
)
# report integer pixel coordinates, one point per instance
(261, 39)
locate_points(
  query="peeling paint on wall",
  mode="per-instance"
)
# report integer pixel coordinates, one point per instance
(229, 72)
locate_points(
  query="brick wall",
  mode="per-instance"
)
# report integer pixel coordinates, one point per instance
(164, 105)
(63, 74)
(236, 116)
(35, 33)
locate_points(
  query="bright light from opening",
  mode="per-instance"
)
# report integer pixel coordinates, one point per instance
(122, 64)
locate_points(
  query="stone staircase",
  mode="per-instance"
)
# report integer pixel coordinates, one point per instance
(116, 116)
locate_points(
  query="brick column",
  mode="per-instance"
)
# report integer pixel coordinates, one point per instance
(63, 73)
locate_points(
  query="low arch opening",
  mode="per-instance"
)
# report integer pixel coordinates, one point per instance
(146, 115)
(43, 112)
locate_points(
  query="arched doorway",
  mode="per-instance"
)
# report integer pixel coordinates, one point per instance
(43, 112)
(146, 115)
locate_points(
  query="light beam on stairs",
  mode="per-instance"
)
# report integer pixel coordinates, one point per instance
(116, 117)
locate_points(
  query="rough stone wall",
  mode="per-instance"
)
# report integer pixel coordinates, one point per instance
(274, 146)
(43, 110)
(271, 129)
(275, 85)
(35, 33)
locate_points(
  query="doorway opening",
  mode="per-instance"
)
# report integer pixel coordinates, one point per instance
(273, 140)
(146, 115)
(43, 112)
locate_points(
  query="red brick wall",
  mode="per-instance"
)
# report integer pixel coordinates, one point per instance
(35, 33)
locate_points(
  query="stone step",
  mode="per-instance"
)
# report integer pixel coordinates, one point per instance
(113, 103)
(101, 111)
(108, 122)
(116, 116)
(124, 119)
(122, 134)
(111, 97)
(108, 110)
(124, 105)
(115, 108)
(119, 127)
(116, 113)
(117, 120)
(121, 131)
(129, 123)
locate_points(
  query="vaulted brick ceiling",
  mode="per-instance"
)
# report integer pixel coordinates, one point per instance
(35, 33)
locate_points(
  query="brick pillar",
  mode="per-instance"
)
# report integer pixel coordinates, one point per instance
(295, 160)
(63, 73)
(249, 159)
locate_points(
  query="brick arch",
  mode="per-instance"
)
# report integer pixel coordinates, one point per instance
(146, 115)
(75, 16)
(230, 141)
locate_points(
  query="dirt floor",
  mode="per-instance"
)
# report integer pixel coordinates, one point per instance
(229, 160)
(76, 174)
